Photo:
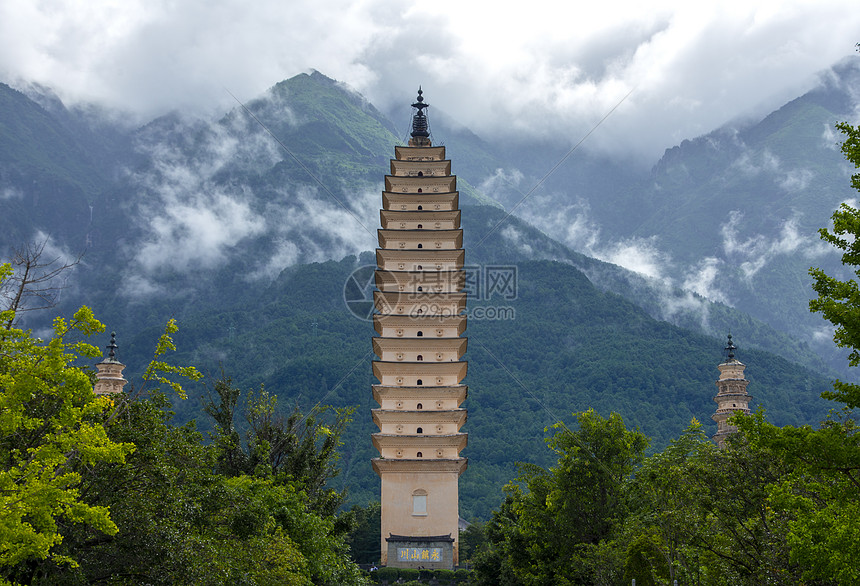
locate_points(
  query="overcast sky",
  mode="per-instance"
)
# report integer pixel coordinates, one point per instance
(544, 67)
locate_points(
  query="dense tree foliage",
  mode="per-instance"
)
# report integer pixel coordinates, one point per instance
(51, 427)
(839, 300)
(180, 522)
(603, 515)
(558, 525)
(100, 490)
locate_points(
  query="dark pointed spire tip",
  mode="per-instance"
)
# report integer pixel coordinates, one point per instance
(730, 348)
(112, 346)
(420, 129)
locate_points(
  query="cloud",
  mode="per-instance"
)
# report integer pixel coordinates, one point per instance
(516, 238)
(558, 71)
(701, 279)
(754, 252)
(640, 255)
(829, 138)
(789, 180)
(571, 224)
(823, 335)
(201, 204)
(503, 186)
(796, 180)
(678, 294)
(188, 217)
(196, 230)
(10, 193)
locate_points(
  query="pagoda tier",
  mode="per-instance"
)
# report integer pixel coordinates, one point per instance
(401, 168)
(396, 421)
(420, 260)
(416, 349)
(420, 185)
(420, 298)
(409, 282)
(427, 201)
(391, 397)
(404, 153)
(396, 303)
(402, 326)
(427, 374)
(415, 239)
(418, 220)
(414, 466)
(422, 445)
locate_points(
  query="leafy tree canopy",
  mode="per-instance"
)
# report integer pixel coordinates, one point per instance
(51, 425)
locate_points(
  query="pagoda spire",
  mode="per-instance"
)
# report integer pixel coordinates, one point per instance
(109, 379)
(420, 129)
(731, 395)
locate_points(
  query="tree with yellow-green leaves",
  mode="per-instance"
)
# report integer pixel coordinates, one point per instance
(50, 426)
(97, 490)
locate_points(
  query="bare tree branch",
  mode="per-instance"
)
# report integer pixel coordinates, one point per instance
(35, 283)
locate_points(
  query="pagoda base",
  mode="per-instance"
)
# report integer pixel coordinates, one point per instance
(435, 552)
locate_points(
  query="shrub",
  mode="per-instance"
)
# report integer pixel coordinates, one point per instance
(386, 574)
(425, 575)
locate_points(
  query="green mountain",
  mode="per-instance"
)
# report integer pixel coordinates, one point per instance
(246, 228)
(47, 180)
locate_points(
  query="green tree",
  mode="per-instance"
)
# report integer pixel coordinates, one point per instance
(557, 525)
(839, 301)
(363, 538)
(665, 515)
(50, 425)
(702, 516)
(182, 521)
(294, 447)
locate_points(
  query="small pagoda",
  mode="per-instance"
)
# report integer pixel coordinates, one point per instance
(731, 395)
(420, 300)
(109, 380)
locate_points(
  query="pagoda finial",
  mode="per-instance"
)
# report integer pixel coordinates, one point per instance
(420, 130)
(730, 349)
(112, 346)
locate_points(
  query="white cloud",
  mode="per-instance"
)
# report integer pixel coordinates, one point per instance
(829, 138)
(10, 193)
(561, 67)
(823, 334)
(796, 180)
(199, 206)
(196, 230)
(701, 279)
(515, 237)
(754, 252)
(640, 255)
